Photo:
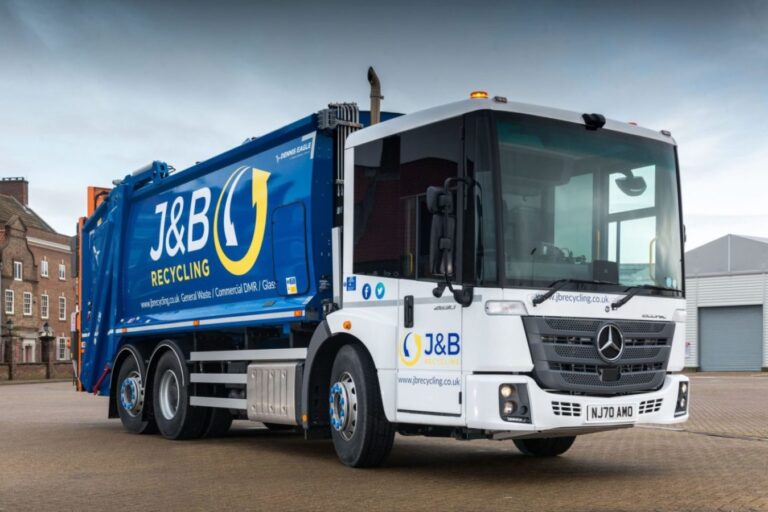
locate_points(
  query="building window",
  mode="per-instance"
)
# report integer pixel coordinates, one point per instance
(62, 308)
(44, 268)
(27, 304)
(9, 302)
(44, 306)
(62, 350)
(62, 272)
(28, 351)
(18, 270)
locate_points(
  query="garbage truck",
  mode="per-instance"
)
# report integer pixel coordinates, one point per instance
(483, 269)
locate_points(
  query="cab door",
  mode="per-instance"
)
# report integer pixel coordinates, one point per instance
(429, 351)
(430, 328)
(390, 239)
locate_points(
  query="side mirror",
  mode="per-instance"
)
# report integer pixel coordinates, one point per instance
(441, 245)
(441, 236)
(439, 201)
(632, 185)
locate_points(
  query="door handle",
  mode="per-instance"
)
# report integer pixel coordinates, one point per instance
(408, 311)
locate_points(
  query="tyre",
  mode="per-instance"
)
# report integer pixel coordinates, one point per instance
(361, 434)
(175, 418)
(549, 447)
(129, 397)
(219, 421)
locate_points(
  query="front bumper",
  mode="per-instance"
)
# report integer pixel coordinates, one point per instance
(483, 407)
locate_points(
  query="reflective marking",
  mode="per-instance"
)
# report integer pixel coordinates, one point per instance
(211, 321)
(370, 304)
(421, 301)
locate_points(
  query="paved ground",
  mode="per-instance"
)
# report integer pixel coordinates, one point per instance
(58, 452)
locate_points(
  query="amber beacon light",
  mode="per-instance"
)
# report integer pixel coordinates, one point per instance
(478, 95)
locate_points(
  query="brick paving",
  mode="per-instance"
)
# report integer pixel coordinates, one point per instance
(730, 405)
(58, 452)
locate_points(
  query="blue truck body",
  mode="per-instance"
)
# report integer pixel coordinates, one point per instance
(240, 239)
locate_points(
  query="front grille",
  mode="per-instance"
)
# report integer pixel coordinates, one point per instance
(590, 325)
(592, 368)
(593, 380)
(566, 409)
(566, 358)
(648, 406)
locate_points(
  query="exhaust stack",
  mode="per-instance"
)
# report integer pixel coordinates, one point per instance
(376, 96)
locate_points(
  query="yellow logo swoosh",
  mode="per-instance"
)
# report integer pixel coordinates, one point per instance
(259, 198)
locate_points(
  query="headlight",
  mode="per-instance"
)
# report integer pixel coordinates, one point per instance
(505, 307)
(681, 407)
(510, 406)
(517, 410)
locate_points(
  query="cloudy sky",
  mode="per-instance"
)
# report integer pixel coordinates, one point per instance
(90, 90)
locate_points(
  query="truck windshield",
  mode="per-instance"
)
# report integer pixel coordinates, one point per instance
(586, 205)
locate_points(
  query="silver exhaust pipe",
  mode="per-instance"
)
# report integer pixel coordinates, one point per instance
(376, 96)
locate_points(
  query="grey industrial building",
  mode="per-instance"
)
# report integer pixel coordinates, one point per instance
(726, 287)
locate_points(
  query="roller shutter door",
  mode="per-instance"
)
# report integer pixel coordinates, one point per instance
(731, 338)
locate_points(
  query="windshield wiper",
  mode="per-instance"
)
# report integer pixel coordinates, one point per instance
(558, 285)
(634, 290)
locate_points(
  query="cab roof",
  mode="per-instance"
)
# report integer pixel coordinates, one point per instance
(450, 110)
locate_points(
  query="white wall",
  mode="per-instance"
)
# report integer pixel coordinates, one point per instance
(723, 290)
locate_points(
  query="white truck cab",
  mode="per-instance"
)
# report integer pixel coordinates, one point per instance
(515, 272)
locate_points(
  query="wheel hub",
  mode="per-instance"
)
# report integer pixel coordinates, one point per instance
(130, 394)
(342, 409)
(170, 395)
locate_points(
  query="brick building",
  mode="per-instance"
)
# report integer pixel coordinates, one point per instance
(36, 286)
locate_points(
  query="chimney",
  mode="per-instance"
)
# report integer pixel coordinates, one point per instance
(15, 187)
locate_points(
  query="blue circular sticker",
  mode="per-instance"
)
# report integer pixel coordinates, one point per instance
(379, 290)
(366, 291)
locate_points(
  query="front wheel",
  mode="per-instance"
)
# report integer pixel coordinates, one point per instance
(545, 447)
(175, 417)
(361, 434)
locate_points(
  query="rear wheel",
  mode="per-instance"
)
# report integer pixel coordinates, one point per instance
(549, 447)
(361, 434)
(175, 418)
(130, 399)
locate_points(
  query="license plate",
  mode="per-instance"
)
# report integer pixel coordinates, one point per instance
(617, 413)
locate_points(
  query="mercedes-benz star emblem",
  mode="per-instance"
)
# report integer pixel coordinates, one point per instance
(610, 343)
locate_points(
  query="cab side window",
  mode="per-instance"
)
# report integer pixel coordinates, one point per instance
(391, 237)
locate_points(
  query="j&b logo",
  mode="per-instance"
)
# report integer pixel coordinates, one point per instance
(414, 346)
(175, 237)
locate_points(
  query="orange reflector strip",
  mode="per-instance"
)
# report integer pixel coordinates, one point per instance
(298, 312)
(196, 323)
(124, 330)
